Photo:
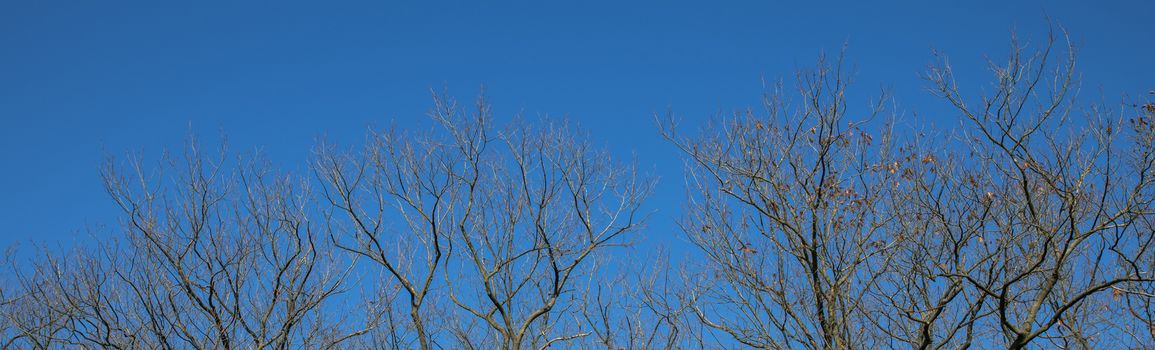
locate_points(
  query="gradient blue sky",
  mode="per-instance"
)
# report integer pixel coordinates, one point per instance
(81, 79)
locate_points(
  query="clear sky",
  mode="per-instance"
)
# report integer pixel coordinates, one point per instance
(82, 79)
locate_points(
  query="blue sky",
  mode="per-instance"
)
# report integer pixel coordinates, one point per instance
(79, 80)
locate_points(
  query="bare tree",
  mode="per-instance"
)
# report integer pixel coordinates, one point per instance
(394, 187)
(789, 208)
(1136, 322)
(511, 218)
(1030, 230)
(644, 306)
(213, 257)
(817, 223)
(480, 237)
(1056, 201)
(28, 316)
